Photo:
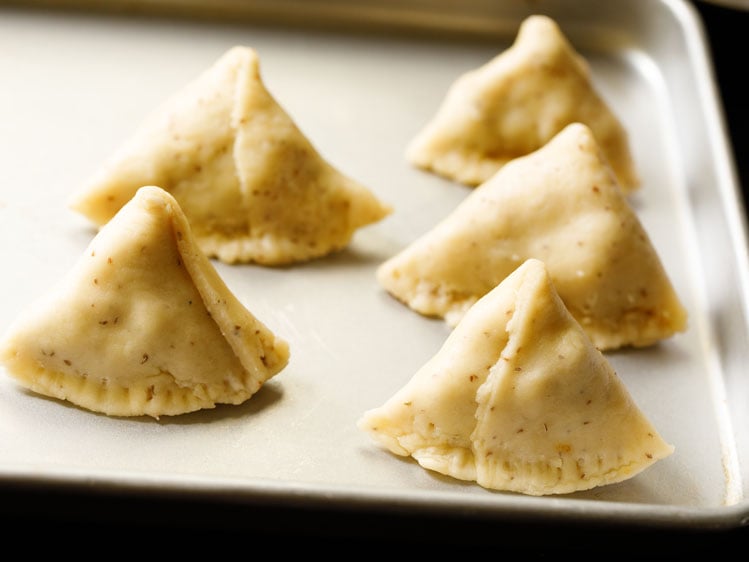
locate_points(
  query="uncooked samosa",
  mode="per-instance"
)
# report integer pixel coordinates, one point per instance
(514, 104)
(252, 185)
(143, 324)
(560, 204)
(519, 399)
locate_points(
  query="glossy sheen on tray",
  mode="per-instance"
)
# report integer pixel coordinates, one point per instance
(82, 82)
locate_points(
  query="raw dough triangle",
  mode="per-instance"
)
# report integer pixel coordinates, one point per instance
(562, 205)
(519, 399)
(251, 184)
(143, 324)
(516, 103)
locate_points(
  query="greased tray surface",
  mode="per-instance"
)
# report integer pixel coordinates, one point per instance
(75, 85)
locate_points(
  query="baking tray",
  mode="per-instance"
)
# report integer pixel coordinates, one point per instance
(360, 79)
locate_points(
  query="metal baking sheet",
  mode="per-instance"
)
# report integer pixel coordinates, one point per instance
(360, 80)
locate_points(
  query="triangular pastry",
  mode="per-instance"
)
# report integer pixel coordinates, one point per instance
(513, 105)
(562, 205)
(143, 324)
(252, 185)
(518, 399)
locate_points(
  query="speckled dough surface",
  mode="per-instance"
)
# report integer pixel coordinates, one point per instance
(514, 104)
(562, 205)
(519, 399)
(252, 185)
(143, 324)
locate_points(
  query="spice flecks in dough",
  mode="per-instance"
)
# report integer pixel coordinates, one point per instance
(513, 105)
(519, 402)
(560, 204)
(252, 185)
(143, 324)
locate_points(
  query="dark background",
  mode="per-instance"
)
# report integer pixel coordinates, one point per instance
(726, 29)
(91, 523)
